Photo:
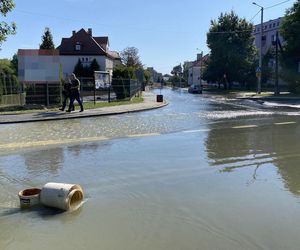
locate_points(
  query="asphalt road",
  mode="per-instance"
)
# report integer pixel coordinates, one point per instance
(203, 172)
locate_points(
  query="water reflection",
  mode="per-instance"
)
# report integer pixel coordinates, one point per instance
(49, 160)
(233, 149)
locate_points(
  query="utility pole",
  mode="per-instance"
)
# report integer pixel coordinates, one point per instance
(260, 47)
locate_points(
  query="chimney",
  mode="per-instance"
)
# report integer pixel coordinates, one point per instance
(199, 56)
(90, 32)
(73, 32)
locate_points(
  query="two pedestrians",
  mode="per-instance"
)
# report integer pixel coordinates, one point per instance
(75, 93)
(66, 94)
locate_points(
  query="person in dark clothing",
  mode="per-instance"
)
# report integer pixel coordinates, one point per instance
(66, 94)
(75, 93)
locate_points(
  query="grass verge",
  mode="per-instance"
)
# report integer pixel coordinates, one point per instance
(86, 105)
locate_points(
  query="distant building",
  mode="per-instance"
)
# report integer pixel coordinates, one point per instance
(195, 69)
(269, 34)
(166, 77)
(270, 28)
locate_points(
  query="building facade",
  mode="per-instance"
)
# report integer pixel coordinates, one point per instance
(38, 66)
(195, 69)
(83, 46)
(269, 34)
(270, 28)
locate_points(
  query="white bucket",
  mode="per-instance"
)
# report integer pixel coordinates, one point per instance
(61, 195)
(29, 197)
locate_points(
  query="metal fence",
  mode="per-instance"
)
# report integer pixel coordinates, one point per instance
(11, 93)
(50, 93)
(47, 94)
(119, 89)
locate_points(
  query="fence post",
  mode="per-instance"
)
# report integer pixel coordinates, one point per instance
(10, 83)
(109, 86)
(94, 79)
(47, 93)
(4, 85)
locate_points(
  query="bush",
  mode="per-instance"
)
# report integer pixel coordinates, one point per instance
(121, 88)
(123, 72)
(293, 80)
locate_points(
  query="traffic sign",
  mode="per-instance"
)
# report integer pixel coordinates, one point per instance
(258, 70)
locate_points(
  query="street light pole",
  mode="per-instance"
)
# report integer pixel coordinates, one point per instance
(260, 47)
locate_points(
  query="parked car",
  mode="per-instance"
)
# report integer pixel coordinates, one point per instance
(195, 89)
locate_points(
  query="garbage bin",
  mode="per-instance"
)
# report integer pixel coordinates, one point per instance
(159, 98)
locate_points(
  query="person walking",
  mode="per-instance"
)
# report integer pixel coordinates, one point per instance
(75, 93)
(66, 94)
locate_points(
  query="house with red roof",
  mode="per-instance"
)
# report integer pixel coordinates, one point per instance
(84, 46)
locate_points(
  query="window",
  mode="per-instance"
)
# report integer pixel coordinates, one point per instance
(273, 39)
(77, 46)
(270, 26)
(277, 23)
(273, 25)
(266, 27)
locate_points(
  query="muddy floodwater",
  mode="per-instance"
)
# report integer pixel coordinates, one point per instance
(201, 173)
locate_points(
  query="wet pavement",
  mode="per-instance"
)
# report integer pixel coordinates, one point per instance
(203, 172)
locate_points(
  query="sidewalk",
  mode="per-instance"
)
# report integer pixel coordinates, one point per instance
(284, 98)
(148, 104)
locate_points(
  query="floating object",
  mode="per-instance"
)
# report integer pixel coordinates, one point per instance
(29, 197)
(61, 195)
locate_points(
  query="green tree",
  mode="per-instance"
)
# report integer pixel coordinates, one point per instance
(14, 63)
(290, 57)
(8, 80)
(94, 67)
(267, 73)
(47, 40)
(176, 70)
(147, 76)
(130, 57)
(233, 51)
(123, 72)
(5, 28)
(79, 69)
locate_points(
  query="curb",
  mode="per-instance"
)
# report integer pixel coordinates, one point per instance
(83, 115)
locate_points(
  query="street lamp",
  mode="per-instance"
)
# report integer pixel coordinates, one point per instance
(260, 47)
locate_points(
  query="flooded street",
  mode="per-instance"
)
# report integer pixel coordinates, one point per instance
(200, 173)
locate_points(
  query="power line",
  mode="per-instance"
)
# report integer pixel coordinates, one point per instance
(275, 5)
(241, 31)
(254, 16)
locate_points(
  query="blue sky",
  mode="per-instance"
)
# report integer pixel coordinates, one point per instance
(165, 32)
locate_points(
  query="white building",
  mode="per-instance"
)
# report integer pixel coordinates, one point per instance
(195, 70)
(38, 66)
(269, 34)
